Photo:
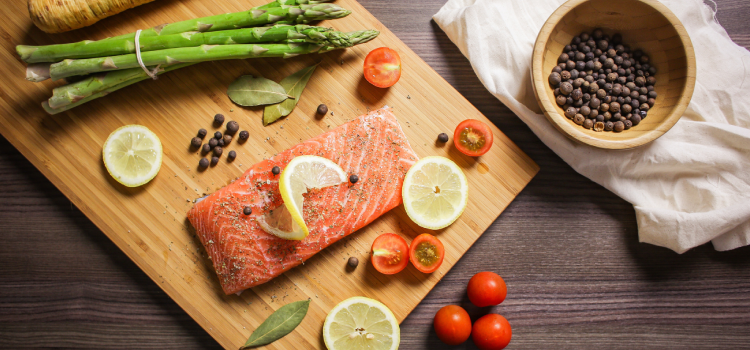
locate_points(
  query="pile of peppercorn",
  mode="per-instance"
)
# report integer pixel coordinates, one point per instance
(216, 144)
(601, 85)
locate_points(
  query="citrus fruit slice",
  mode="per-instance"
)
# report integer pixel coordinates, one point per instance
(301, 174)
(132, 155)
(361, 323)
(435, 192)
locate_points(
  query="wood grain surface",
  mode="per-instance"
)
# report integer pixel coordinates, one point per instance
(568, 249)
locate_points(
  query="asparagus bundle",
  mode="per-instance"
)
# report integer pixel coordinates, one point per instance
(277, 29)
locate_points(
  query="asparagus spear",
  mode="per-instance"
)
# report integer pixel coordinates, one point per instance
(88, 49)
(109, 89)
(100, 85)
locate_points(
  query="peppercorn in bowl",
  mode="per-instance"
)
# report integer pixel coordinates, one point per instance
(613, 74)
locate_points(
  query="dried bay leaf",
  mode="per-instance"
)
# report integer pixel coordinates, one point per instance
(280, 323)
(250, 91)
(293, 85)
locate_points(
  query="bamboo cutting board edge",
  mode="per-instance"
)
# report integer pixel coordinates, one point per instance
(47, 167)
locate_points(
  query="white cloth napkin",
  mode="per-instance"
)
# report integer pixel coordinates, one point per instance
(688, 187)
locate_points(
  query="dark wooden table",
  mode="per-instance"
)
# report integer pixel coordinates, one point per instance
(568, 249)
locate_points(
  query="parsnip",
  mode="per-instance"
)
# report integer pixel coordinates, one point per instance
(56, 16)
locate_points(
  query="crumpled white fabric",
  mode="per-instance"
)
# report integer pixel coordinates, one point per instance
(688, 187)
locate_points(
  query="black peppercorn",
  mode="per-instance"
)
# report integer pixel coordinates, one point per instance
(588, 123)
(626, 108)
(614, 107)
(353, 262)
(643, 98)
(218, 119)
(213, 142)
(227, 139)
(581, 67)
(619, 126)
(202, 133)
(561, 100)
(628, 124)
(595, 103)
(322, 109)
(566, 88)
(232, 127)
(652, 94)
(214, 161)
(203, 163)
(275, 170)
(195, 142)
(608, 126)
(247, 210)
(651, 81)
(218, 151)
(579, 119)
(353, 179)
(554, 80)
(604, 107)
(585, 110)
(231, 155)
(645, 107)
(244, 135)
(635, 119)
(443, 137)
(563, 58)
(570, 112)
(640, 81)
(556, 69)
(565, 75)
(570, 65)
(576, 95)
(574, 74)
(598, 126)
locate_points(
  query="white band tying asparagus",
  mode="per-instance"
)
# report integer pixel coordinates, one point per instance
(151, 74)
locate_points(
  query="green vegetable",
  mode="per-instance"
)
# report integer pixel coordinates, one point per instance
(68, 68)
(293, 85)
(249, 91)
(103, 48)
(279, 324)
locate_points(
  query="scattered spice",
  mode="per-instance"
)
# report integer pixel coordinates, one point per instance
(443, 137)
(218, 119)
(214, 161)
(322, 109)
(202, 133)
(244, 135)
(195, 142)
(218, 151)
(221, 143)
(353, 262)
(353, 179)
(227, 139)
(276, 170)
(247, 210)
(206, 148)
(231, 155)
(203, 163)
(232, 127)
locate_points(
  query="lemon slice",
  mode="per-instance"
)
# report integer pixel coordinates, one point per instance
(361, 323)
(435, 192)
(132, 155)
(301, 174)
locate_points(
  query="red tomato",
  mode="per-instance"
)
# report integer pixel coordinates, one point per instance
(426, 252)
(452, 324)
(491, 332)
(486, 289)
(473, 138)
(382, 67)
(389, 253)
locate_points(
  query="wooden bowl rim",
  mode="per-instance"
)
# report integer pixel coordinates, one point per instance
(576, 132)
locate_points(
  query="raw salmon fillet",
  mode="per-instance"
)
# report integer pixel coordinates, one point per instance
(373, 147)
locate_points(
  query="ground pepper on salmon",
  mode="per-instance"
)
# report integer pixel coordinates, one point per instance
(373, 146)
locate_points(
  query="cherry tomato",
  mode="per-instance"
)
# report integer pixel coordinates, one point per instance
(473, 138)
(389, 253)
(486, 289)
(452, 324)
(426, 252)
(491, 332)
(382, 67)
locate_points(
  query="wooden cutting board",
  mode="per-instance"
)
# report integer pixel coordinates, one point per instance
(149, 223)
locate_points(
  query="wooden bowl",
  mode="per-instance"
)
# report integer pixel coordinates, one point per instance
(644, 24)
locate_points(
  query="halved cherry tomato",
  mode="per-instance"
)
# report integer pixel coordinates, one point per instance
(426, 252)
(452, 324)
(491, 332)
(382, 67)
(473, 138)
(389, 253)
(486, 289)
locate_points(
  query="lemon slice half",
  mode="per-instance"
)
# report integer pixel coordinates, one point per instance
(301, 174)
(132, 155)
(435, 192)
(361, 323)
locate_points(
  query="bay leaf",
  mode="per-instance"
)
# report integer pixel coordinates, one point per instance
(293, 85)
(251, 91)
(280, 323)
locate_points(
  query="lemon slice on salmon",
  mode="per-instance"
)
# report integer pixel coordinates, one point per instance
(132, 155)
(361, 323)
(301, 174)
(435, 192)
